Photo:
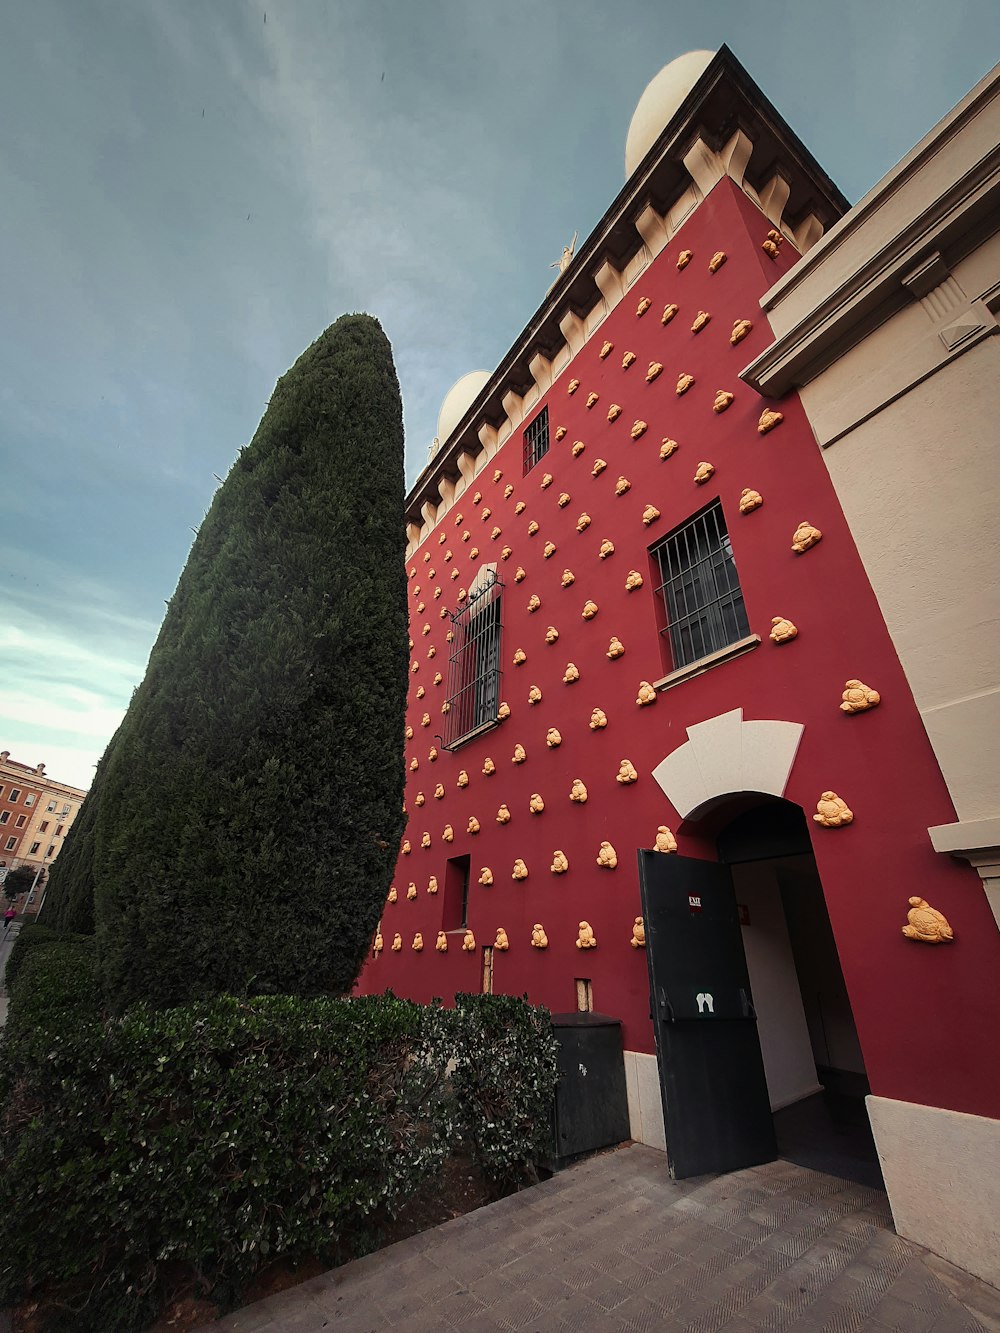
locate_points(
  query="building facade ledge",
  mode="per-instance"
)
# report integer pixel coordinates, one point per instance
(885, 252)
(978, 842)
(693, 669)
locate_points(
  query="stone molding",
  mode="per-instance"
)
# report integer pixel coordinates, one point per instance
(723, 755)
(978, 842)
(889, 250)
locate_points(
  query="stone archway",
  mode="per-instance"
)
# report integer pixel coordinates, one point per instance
(724, 755)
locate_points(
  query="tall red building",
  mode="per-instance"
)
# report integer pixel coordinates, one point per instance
(639, 620)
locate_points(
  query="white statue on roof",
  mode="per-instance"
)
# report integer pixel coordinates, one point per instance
(566, 258)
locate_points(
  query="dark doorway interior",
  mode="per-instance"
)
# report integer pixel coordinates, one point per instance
(812, 1057)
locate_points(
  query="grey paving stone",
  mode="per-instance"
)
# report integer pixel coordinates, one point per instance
(614, 1244)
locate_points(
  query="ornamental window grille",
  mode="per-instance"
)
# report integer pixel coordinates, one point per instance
(474, 673)
(700, 589)
(536, 440)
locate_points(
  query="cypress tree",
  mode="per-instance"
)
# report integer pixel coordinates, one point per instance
(69, 898)
(248, 820)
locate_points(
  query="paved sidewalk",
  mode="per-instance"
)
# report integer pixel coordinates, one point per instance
(613, 1244)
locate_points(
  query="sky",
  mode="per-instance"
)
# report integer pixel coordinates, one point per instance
(191, 192)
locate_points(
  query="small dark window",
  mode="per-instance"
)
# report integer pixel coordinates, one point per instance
(455, 908)
(11, 844)
(59, 829)
(4, 816)
(474, 673)
(536, 440)
(15, 794)
(700, 589)
(51, 849)
(20, 821)
(34, 848)
(43, 827)
(50, 807)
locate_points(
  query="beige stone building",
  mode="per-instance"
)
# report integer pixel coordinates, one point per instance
(887, 329)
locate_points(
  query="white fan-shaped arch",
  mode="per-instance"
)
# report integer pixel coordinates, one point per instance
(724, 755)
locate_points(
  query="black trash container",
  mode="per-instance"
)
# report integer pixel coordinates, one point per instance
(590, 1109)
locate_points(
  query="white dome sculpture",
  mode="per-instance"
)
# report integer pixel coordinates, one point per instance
(458, 400)
(664, 94)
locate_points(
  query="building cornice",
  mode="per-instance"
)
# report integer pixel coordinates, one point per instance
(725, 127)
(890, 248)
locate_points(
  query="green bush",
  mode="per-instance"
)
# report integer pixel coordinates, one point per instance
(55, 997)
(31, 938)
(503, 1080)
(166, 1151)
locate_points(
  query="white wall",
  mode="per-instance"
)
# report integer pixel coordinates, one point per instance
(942, 1175)
(781, 1023)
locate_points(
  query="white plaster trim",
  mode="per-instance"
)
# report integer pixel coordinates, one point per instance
(645, 1104)
(724, 755)
(969, 835)
(978, 842)
(942, 1174)
(932, 207)
(706, 663)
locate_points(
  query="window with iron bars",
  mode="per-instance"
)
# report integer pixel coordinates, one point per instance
(474, 673)
(536, 440)
(700, 588)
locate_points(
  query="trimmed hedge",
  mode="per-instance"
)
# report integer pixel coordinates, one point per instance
(166, 1151)
(32, 936)
(56, 994)
(504, 1075)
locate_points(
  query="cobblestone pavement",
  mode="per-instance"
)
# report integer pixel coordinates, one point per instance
(613, 1243)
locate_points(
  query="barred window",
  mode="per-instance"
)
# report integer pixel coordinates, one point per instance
(536, 440)
(700, 588)
(474, 673)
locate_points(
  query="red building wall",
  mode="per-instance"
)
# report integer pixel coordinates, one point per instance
(923, 1014)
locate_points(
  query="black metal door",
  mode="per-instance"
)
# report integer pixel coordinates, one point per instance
(715, 1103)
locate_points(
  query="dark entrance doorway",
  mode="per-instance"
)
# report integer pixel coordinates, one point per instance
(780, 1071)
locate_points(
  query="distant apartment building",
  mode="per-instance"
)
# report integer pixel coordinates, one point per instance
(36, 813)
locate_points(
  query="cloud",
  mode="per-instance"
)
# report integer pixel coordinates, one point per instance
(70, 658)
